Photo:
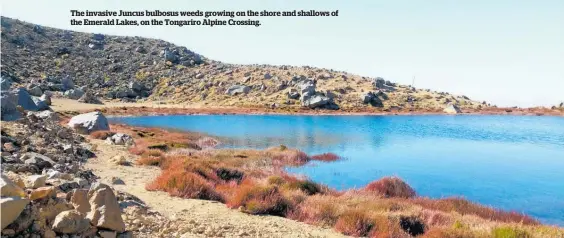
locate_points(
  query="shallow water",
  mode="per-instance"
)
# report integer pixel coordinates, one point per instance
(509, 162)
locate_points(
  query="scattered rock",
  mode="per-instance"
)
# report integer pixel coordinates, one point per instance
(120, 139)
(74, 93)
(118, 181)
(119, 160)
(88, 97)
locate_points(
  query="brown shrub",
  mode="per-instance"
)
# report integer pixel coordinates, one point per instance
(259, 199)
(318, 209)
(326, 157)
(184, 184)
(391, 187)
(149, 160)
(101, 135)
(464, 207)
(354, 223)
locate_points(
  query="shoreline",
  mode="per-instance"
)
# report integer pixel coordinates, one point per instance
(151, 109)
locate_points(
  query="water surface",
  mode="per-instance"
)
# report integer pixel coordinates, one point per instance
(509, 162)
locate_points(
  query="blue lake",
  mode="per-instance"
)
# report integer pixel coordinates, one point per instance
(509, 162)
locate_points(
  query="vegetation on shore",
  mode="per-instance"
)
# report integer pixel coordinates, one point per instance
(254, 181)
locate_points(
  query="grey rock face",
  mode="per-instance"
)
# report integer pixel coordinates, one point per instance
(25, 100)
(40, 103)
(67, 83)
(9, 102)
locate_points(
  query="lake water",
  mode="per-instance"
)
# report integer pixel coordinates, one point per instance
(509, 162)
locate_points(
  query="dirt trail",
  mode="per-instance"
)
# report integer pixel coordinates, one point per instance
(205, 218)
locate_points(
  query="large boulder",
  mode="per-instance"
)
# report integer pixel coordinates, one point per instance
(307, 89)
(10, 209)
(5, 84)
(74, 93)
(105, 212)
(25, 100)
(89, 122)
(88, 97)
(9, 188)
(41, 104)
(70, 222)
(373, 98)
(36, 159)
(35, 91)
(293, 93)
(317, 101)
(238, 89)
(452, 109)
(46, 97)
(67, 83)
(9, 101)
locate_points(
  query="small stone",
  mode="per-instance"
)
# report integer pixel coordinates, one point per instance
(116, 180)
(36, 181)
(8, 232)
(49, 234)
(41, 192)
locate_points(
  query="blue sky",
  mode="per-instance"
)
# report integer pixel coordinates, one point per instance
(506, 52)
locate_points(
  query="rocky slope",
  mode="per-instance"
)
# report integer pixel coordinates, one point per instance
(138, 69)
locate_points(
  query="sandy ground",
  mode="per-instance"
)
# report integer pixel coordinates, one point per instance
(200, 214)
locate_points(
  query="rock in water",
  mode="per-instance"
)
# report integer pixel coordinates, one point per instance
(452, 109)
(11, 207)
(70, 222)
(89, 122)
(105, 211)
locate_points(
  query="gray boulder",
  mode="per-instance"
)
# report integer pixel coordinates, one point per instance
(316, 101)
(88, 97)
(238, 89)
(46, 97)
(74, 93)
(25, 100)
(133, 85)
(67, 83)
(170, 56)
(379, 82)
(35, 91)
(307, 89)
(11, 208)
(9, 101)
(40, 103)
(293, 94)
(6, 83)
(120, 139)
(89, 122)
(47, 115)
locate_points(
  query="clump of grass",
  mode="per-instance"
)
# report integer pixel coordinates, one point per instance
(229, 174)
(465, 207)
(509, 232)
(101, 135)
(288, 156)
(184, 184)
(153, 153)
(391, 187)
(354, 223)
(318, 210)
(136, 150)
(260, 199)
(326, 157)
(149, 160)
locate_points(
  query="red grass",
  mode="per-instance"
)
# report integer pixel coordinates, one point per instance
(136, 150)
(153, 152)
(391, 187)
(326, 157)
(184, 184)
(259, 199)
(291, 157)
(354, 223)
(463, 206)
(149, 160)
(101, 135)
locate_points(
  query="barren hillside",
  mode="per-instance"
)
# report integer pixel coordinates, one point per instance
(140, 69)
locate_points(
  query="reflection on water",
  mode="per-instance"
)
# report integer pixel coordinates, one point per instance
(511, 162)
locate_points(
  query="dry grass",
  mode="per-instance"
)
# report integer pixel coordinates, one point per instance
(101, 135)
(391, 187)
(354, 223)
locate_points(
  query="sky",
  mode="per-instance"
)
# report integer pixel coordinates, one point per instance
(507, 52)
